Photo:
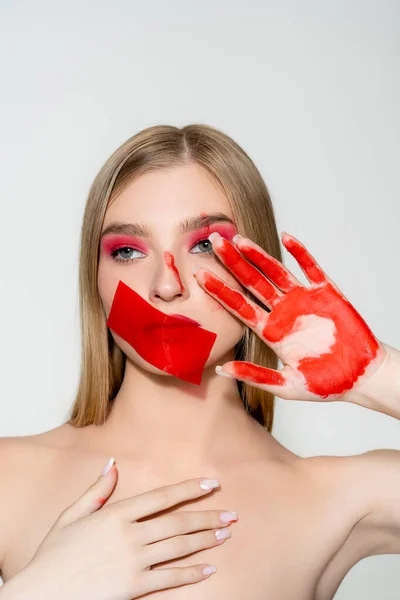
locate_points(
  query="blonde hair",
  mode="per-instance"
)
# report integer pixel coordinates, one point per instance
(161, 147)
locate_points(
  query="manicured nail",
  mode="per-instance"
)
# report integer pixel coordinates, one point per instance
(209, 484)
(227, 517)
(218, 370)
(108, 466)
(222, 534)
(236, 238)
(213, 236)
(209, 570)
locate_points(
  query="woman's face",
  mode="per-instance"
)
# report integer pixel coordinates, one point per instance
(156, 260)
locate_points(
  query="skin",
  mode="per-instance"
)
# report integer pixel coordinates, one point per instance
(313, 330)
(313, 518)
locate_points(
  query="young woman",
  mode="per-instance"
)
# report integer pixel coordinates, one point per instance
(168, 296)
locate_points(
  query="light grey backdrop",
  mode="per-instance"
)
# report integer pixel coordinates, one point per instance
(311, 92)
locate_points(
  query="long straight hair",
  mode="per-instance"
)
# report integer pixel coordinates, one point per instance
(162, 147)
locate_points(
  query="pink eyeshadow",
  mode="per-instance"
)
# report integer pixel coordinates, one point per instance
(111, 243)
(226, 230)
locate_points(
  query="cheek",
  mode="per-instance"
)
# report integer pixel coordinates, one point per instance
(213, 305)
(107, 283)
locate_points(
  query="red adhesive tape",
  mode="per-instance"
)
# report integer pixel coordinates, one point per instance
(165, 341)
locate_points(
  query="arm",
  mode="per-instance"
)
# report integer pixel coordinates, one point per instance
(369, 482)
(18, 587)
(6, 461)
(378, 474)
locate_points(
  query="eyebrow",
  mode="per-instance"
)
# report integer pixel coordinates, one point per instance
(185, 225)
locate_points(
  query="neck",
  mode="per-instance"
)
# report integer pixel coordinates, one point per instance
(159, 419)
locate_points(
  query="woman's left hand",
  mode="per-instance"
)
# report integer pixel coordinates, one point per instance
(326, 348)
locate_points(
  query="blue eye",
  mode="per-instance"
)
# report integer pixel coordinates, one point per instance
(208, 249)
(124, 249)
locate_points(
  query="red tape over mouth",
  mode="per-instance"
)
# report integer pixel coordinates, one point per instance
(179, 349)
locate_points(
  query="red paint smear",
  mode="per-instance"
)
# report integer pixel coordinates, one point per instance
(257, 374)
(272, 268)
(231, 298)
(174, 347)
(336, 371)
(101, 501)
(170, 262)
(304, 258)
(246, 274)
(112, 242)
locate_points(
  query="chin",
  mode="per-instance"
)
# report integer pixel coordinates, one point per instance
(222, 351)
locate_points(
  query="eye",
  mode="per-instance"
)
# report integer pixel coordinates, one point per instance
(207, 249)
(125, 252)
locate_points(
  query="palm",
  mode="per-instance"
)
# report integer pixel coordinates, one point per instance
(322, 341)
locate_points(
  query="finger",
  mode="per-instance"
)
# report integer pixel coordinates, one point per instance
(159, 499)
(182, 545)
(308, 264)
(181, 523)
(271, 267)
(269, 380)
(245, 273)
(233, 300)
(165, 578)
(92, 499)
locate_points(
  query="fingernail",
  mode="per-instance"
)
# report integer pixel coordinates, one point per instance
(218, 370)
(226, 517)
(108, 466)
(236, 238)
(209, 570)
(213, 236)
(209, 484)
(222, 534)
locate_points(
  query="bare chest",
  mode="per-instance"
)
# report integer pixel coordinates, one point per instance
(279, 547)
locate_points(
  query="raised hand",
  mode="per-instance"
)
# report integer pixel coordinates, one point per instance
(324, 344)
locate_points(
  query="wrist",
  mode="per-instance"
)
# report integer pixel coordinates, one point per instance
(381, 391)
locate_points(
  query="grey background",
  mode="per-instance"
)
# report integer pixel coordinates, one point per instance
(309, 89)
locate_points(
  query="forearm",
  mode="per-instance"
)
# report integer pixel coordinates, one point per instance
(381, 392)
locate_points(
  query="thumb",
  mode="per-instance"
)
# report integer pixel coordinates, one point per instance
(93, 498)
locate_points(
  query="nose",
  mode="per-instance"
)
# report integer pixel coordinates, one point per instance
(167, 284)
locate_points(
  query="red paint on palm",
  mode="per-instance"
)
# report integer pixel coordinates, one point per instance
(271, 267)
(307, 262)
(256, 374)
(336, 370)
(170, 262)
(232, 298)
(248, 275)
(323, 342)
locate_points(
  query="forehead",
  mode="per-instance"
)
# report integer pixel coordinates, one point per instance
(169, 194)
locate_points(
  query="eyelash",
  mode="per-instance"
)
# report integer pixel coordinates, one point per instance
(130, 260)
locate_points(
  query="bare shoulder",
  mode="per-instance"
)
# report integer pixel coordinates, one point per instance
(366, 490)
(23, 459)
(369, 481)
